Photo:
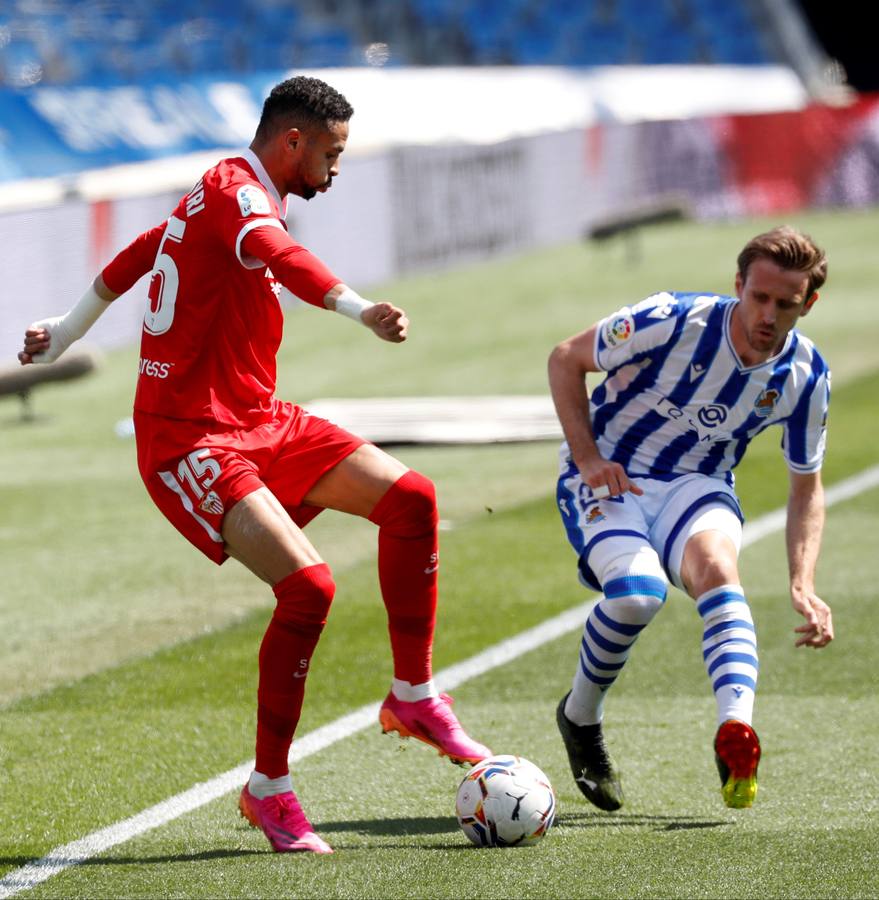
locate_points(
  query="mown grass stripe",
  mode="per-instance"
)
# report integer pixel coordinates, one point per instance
(75, 852)
(839, 492)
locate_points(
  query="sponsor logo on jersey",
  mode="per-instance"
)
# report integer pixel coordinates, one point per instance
(764, 405)
(713, 415)
(618, 330)
(211, 503)
(253, 201)
(707, 417)
(153, 369)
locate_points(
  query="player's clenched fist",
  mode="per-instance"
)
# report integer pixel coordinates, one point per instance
(389, 322)
(37, 341)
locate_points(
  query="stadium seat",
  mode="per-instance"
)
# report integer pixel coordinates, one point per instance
(164, 37)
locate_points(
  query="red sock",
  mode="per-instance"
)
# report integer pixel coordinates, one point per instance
(407, 570)
(304, 600)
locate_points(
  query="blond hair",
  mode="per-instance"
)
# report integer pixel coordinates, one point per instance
(788, 249)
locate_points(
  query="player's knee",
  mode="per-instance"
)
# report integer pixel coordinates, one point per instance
(705, 572)
(408, 508)
(637, 582)
(710, 552)
(641, 602)
(304, 598)
(632, 560)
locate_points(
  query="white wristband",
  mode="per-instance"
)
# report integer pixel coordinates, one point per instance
(64, 330)
(349, 303)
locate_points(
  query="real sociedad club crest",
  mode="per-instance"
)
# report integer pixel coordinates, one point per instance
(594, 516)
(765, 403)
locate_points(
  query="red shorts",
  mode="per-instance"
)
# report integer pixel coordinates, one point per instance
(195, 478)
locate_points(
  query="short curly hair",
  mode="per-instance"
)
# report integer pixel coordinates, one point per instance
(302, 102)
(788, 249)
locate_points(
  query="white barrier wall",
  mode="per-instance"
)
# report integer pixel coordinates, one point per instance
(397, 211)
(50, 256)
(422, 208)
(443, 166)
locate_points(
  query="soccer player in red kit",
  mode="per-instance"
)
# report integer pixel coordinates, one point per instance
(238, 472)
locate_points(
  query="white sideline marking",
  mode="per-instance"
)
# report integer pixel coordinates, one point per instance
(198, 795)
(842, 490)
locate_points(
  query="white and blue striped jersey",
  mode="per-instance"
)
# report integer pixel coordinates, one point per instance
(677, 398)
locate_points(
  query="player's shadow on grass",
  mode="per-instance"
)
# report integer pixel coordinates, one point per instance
(443, 828)
(657, 823)
(202, 856)
(398, 826)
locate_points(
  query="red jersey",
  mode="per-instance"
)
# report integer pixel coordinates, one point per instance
(214, 323)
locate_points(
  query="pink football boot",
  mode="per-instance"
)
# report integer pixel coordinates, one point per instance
(283, 822)
(433, 722)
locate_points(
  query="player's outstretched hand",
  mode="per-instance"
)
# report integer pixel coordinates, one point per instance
(389, 322)
(817, 631)
(39, 346)
(606, 478)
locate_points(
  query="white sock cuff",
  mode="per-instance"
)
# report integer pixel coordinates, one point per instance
(585, 705)
(412, 693)
(261, 786)
(735, 705)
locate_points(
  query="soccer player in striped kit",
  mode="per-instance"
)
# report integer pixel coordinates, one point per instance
(238, 472)
(646, 486)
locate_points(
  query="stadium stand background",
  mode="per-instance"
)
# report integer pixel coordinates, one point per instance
(470, 115)
(110, 41)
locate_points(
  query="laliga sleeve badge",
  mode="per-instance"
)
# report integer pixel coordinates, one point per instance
(253, 201)
(618, 329)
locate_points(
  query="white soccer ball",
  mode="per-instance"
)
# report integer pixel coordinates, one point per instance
(505, 801)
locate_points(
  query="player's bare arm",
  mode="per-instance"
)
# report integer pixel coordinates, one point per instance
(805, 524)
(569, 363)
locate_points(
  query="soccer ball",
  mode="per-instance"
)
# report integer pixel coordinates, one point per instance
(505, 801)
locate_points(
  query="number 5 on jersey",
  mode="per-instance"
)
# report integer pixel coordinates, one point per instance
(164, 282)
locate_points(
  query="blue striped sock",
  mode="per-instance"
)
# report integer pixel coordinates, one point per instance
(612, 626)
(729, 648)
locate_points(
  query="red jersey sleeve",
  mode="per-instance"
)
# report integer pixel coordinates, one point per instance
(299, 270)
(134, 261)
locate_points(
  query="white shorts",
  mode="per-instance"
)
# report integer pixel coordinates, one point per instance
(668, 514)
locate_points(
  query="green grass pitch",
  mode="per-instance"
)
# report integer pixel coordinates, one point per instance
(128, 663)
